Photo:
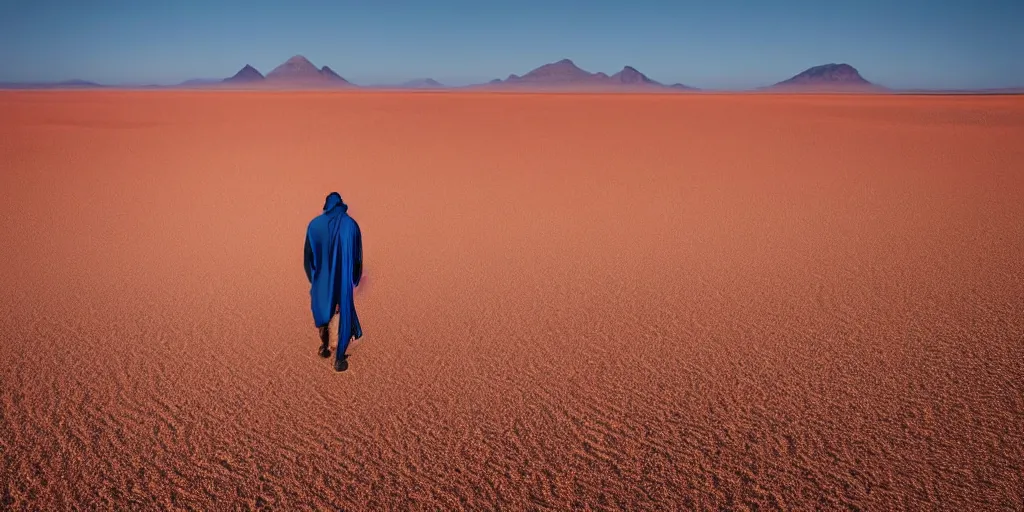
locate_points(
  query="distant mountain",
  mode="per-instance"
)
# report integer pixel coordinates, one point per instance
(66, 84)
(419, 83)
(837, 77)
(299, 71)
(246, 75)
(422, 83)
(295, 68)
(565, 74)
(562, 71)
(998, 90)
(629, 75)
(77, 83)
(199, 82)
(683, 87)
(330, 75)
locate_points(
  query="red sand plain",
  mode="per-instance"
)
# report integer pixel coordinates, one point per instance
(572, 301)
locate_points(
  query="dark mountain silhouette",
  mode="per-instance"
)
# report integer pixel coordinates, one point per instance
(299, 71)
(295, 68)
(330, 75)
(827, 77)
(564, 70)
(246, 75)
(565, 74)
(629, 75)
(562, 75)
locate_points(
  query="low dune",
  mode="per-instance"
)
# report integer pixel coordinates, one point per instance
(572, 301)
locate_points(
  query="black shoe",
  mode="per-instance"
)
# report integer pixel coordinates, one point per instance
(325, 352)
(341, 364)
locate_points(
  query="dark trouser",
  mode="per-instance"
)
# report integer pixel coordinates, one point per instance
(325, 335)
(325, 339)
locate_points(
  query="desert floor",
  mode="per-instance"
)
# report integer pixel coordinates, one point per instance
(603, 301)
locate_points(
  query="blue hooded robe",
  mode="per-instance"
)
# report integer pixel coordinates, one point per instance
(334, 265)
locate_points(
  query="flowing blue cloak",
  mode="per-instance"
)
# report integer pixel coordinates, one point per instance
(334, 264)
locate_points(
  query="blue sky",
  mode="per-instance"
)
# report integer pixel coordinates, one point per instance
(712, 44)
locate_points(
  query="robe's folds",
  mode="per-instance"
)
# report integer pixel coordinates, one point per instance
(334, 264)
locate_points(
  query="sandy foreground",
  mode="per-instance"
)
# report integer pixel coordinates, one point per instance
(571, 301)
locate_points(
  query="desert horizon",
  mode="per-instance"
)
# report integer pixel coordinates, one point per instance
(571, 301)
(563, 76)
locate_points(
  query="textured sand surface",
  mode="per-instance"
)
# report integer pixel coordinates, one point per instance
(613, 302)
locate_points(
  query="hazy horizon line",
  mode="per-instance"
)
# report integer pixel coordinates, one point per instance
(465, 82)
(452, 82)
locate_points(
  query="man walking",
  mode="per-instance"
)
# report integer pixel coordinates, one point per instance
(334, 265)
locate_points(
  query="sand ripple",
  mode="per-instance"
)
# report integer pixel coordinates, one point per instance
(572, 302)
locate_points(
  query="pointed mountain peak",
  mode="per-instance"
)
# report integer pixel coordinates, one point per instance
(297, 67)
(565, 74)
(298, 60)
(329, 73)
(630, 75)
(300, 72)
(564, 69)
(246, 74)
(565, 64)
